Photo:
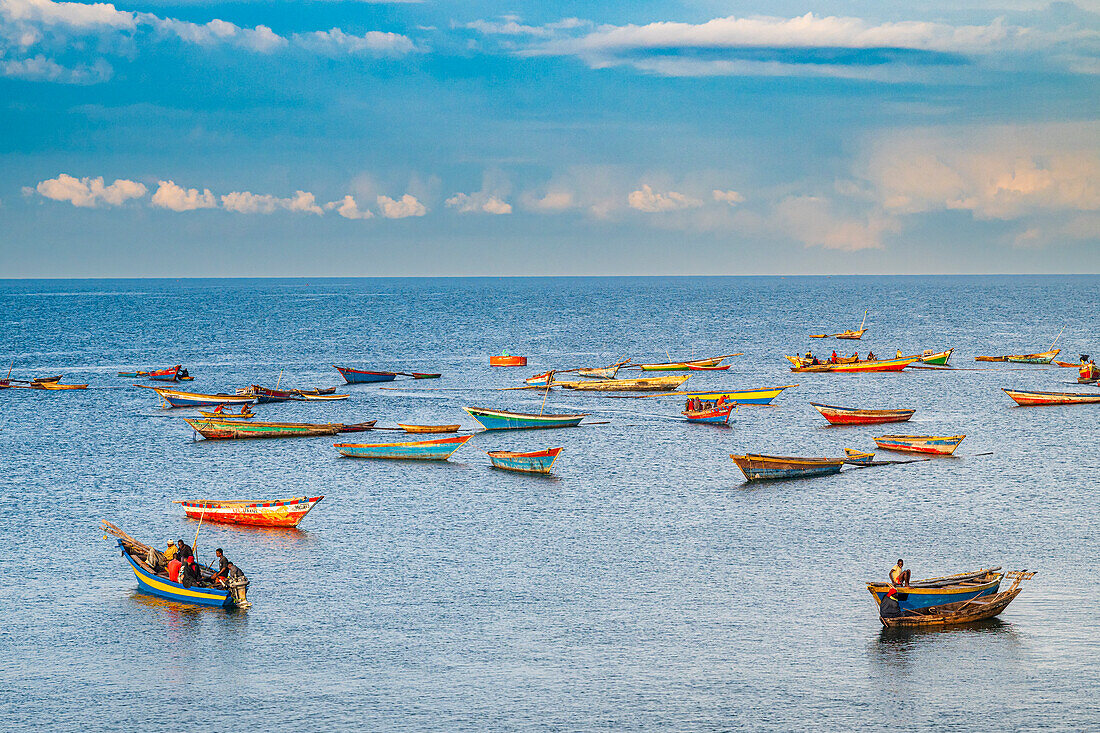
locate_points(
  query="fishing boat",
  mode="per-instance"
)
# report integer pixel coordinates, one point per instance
(253, 512)
(973, 609)
(265, 395)
(439, 449)
(429, 428)
(360, 376)
(171, 374)
(846, 334)
(505, 420)
(50, 386)
(712, 413)
(244, 414)
(607, 372)
(1044, 357)
(929, 592)
(176, 398)
(937, 445)
(506, 360)
(858, 457)
(538, 461)
(683, 366)
(853, 416)
(936, 358)
(156, 582)
(1031, 399)
(877, 365)
(703, 368)
(235, 429)
(643, 384)
(763, 396)
(761, 467)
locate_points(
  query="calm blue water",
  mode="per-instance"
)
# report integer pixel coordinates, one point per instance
(644, 586)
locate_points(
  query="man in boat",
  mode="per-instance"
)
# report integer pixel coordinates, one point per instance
(174, 566)
(899, 576)
(183, 550)
(890, 608)
(899, 354)
(223, 565)
(870, 356)
(832, 359)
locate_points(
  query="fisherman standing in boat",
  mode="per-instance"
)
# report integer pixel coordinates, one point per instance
(898, 576)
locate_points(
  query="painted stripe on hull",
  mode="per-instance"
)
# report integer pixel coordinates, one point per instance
(428, 450)
(743, 397)
(533, 462)
(927, 597)
(164, 588)
(503, 420)
(932, 445)
(268, 514)
(1031, 399)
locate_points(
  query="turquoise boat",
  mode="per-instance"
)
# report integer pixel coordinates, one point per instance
(538, 461)
(504, 420)
(420, 450)
(938, 591)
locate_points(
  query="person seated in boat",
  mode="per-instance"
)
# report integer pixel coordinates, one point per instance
(183, 550)
(890, 608)
(898, 575)
(899, 354)
(870, 356)
(183, 374)
(223, 566)
(219, 409)
(174, 566)
(832, 359)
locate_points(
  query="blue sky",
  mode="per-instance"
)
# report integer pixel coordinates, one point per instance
(368, 138)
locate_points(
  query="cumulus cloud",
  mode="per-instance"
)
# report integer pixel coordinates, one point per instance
(75, 15)
(170, 196)
(813, 221)
(479, 202)
(303, 202)
(555, 200)
(260, 38)
(90, 192)
(246, 202)
(406, 206)
(730, 197)
(41, 68)
(348, 208)
(510, 25)
(648, 200)
(335, 41)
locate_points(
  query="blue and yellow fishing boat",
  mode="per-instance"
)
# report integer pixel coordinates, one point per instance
(538, 461)
(939, 591)
(504, 420)
(762, 396)
(758, 467)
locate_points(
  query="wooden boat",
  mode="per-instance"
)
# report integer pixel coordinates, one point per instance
(504, 420)
(937, 358)
(539, 380)
(157, 583)
(763, 396)
(643, 384)
(51, 386)
(307, 397)
(878, 365)
(423, 450)
(939, 591)
(713, 413)
(176, 398)
(847, 334)
(938, 445)
(538, 461)
(171, 374)
(360, 376)
(429, 428)
(264, 395)
(506, 360)
(607, 372)
(961, 612)
(256, 513)
(853, 416)
(702, 368)
(858, 457)
(1044, 357)
(761, 467)
(1030, 399)
(234, 415)
(223, 429)
(683, 366)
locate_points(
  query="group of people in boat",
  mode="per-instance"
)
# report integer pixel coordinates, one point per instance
(177, 563)
(1089, 372)
(812, 360)
(695, 404)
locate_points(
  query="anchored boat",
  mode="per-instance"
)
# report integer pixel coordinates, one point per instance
(253, 512)
(538, 461)
(506, 360)
(930, 592)
(938, 445)
(643, 384)
(1031, 399)
(361, 376)
(683, 366)
(760, 467)
(175, 398)
(936, 358)
(763, 396)
(878, 365)
(1044, 357)
(853, 416)
(423, 450)
(713, 413)
(505, 420)
(960, 612)
(429, 428)
(233, 429)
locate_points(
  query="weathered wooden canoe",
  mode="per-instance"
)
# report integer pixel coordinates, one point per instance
(1030, 399)
(233, 415)
(360, 376)
(538, 461)
(310, 397)
(853, 416)
(265, 395)
(852, 335)
(254, 512)
(938, 445)
(51, 386)
(878, 365)
(507, 361)
(681, 366)
(858, 457)
(938, 591)
(429, 428)
(642, 384)
(961, 612)
(937, 358)
(703, 368)
(505, 420)
(714, 415)
(423, 450)
(607, 372)
(176, 398)
(760, 467)
(1044, 357)
(223, 429)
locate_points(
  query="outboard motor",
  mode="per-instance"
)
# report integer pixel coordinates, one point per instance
(238, 589)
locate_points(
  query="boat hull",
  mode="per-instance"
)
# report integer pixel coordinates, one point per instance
(770, 468)
(221, 429)
(1044, 357)
(360, 376)
(507, 361)
(175, 398)
(713, 416)
(650, 384)
(530, 462)
(884, 365)
(679, 366)
(1032, 399)
(255, 514)
(937, 359)
(936, 445)
(744, 397)
(504, 420)
(919, 598)
(426, 429)
(851, 416)
(162, 587)
(425, 450)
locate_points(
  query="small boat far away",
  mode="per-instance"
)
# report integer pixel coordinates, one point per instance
(429, 428)
(853, 416)
(935, 358)
(848, 334)
(875, 365)
(538, 461)
(765, 468)
(360, 376)
(683, 366)
(1044, 357)
(507, 360)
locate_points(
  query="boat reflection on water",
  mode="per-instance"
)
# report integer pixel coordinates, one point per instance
(912, 649)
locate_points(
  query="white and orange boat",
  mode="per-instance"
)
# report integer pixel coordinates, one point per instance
(1028, 399)
(254, 512)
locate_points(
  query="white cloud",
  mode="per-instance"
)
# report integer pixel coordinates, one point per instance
(90, 192)
(245, 202)
(302, 202)
(510, 25)
(648, 200)
(478, 202)
(170, 196)
(75, 15)
(335, 41)
(813, 221)
(40, 68)
(347, 208)
(730, 197)
(554, 200)
(406, 206)
(260, 39)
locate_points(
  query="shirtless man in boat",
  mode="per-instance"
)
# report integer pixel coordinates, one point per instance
(898, 576)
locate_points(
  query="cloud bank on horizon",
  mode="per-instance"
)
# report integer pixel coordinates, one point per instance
(807, 142)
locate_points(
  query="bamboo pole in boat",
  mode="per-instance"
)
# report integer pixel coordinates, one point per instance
(1056, 339)
(279, 379)
(195, 542)
(549, 382)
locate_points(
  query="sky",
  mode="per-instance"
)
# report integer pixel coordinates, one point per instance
(180, 138)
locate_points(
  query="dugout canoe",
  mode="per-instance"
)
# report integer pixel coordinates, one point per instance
(758, 467)
(936, 358)
(642, 384)
(362, 376)
(837, 415)
(506, 420)
(222, 429)
(439, 449)
(607, 372)
(1031, 399)
(763, 396)
(683, 366)
(1044, 357)
(941, 590)
(429, 428)
(858, 457)
(253, 512)
(878, 365)
(937, 445)
(538, 461)
(977, 608)
(176, 398)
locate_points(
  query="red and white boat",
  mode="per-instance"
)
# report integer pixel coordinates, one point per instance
(936, 445)
(853, 416)
(1029, 399)
(254, 512)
